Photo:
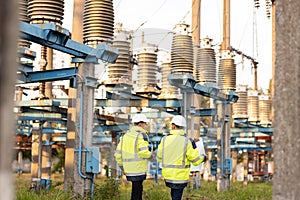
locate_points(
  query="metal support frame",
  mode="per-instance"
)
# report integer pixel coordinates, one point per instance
(186, 82)
(49, 75)
(56, 37)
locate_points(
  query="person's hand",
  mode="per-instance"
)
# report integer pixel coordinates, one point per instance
(204, 158)
(152, 157)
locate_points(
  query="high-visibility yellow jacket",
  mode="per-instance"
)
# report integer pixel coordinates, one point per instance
(132, 152)
(176, 152)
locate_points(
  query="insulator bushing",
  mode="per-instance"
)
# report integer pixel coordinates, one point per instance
(240, 108)
(268, 8)
(206, 62)
(98, 21)
(256, 3)
(23, 9)
(46, 11)
(182, 55)
(147, 69)
(120, 70)
(167, 88)
(23, 16)
(227, 74)
(252, 107)
(264, 105)
(182, 51)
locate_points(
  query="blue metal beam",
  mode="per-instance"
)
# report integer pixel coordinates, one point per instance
(48, 75)
(56, 37)
(42, 117)
(48, 130)
(188, 84)
(205, 112)
(42, 103)
(152, 103)
(247, 132)
(120, 127)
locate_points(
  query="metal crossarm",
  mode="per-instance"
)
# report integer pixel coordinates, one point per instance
(56, 37)
(48, 75)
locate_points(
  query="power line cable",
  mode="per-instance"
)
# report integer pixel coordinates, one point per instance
(118, 4)
(154, 13)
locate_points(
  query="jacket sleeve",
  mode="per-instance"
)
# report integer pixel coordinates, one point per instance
(159, 152)
(142, 148)
(193, 155)
(118, 153)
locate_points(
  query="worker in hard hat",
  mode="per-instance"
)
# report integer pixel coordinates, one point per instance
(132, 153)
(176, 151)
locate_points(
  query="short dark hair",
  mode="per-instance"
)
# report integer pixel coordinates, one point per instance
(137, 123)
(179, 127)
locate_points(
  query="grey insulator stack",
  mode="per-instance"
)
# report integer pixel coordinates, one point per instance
(23, 16)
(252, 105)
(167, 90)
(227, 72)
(120, 72)
(240, 108)
(98, 22)
(264, 105)
(147, 70)
(206, 62)
(182, 51)
(46, 11)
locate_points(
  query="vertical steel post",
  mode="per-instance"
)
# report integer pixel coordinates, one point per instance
(196, 36)
(47, 148)
(223, 140)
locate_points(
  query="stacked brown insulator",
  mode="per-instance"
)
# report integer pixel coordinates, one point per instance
(240, 107)
(206, 62)
(23, 16)
(227, 72)
(252, 107)
(147, 70)
(167, 90)
(46, 11)
(98, 22)
(182, 51)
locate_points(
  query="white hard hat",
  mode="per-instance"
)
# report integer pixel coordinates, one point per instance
(139, 118)
(179, 120)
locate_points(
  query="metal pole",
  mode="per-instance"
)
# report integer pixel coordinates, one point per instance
(196, 21)
(226, 25)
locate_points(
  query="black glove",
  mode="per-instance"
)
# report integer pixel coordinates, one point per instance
(204, 158)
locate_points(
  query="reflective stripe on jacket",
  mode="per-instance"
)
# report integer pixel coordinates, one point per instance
(132, 152)
(176, 152)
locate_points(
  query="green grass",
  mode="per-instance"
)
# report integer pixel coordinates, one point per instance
(109, 189)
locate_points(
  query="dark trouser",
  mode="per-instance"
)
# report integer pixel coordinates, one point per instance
(137, 190)
(176, 194)
(176, 190)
